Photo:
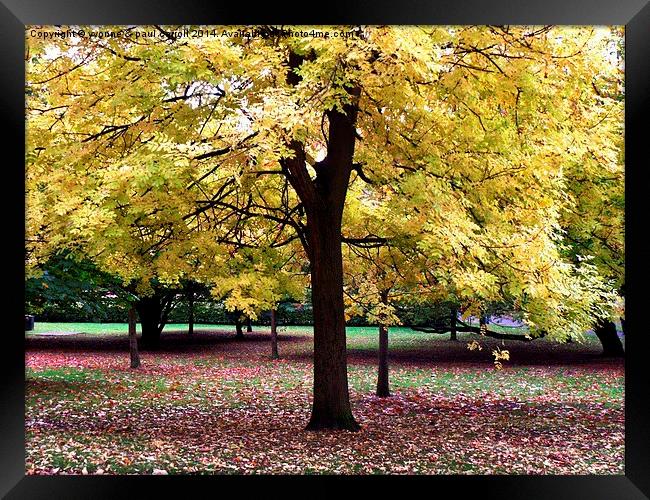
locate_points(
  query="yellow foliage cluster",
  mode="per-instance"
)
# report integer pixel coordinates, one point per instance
(489, 163)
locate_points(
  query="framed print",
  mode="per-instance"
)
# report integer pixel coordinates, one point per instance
(368, 246)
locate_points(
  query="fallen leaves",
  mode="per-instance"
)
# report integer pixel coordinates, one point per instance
(211, 410)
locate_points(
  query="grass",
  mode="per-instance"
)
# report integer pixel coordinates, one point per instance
(41, 327)
(65, 374)
(209, 404)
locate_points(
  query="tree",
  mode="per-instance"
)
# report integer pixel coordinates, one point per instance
(133, 340)
(369, 296)
(154, 312)
(594, 220)
(64, 287)
(193, 292)
(257, 280)
(606, 332)
(274, 336)
(382, 373)
(78, 284)
(234, 130)
(376, 277)
(190, 301)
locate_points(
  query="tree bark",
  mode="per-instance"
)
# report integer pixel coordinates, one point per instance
(452, 321)
(133, 340)
(622, 324)
(331, 406)
(323, 199)
(190, 329)
(382, 375)
(274, 337)
(606, 332)
(249, 326)
(482, 323)
(150, 312)
(238, 328)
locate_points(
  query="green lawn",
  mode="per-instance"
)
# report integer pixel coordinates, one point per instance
(122, 328)
(210, 404)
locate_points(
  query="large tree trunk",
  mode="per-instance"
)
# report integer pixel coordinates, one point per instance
(274, 337)
(190, 329)
(150, 311)
(331, 407)
(606, 332)
(249, 325)
(238, 328)
(382, 374)
(453, 316)
(323, 199)
(133, 340)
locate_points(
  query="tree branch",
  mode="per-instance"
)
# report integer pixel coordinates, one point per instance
(367, 242)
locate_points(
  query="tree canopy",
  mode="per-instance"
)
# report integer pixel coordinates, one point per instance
(478, 154)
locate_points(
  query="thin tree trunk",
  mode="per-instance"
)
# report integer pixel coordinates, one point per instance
(383, 389)
(274, 337)
(190, 329)
(482, 323)
(249, 326)
(606, 332)
(382, 376)
(168, 304)
(622, 324)
(133, 340)
(452, 321)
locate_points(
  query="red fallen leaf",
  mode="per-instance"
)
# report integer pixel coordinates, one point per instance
(394, 410)
(558, 457)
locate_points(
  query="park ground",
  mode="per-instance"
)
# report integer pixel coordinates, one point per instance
(210, 404)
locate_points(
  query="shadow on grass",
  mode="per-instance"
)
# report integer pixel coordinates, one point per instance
(170, 342)
(436, 352)
(422, 352)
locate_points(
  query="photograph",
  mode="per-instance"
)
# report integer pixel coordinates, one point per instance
(324, 250)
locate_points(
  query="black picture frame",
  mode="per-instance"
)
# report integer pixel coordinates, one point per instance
(634, 14)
